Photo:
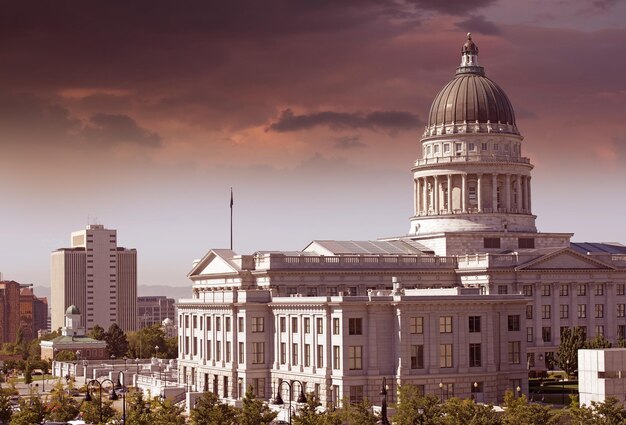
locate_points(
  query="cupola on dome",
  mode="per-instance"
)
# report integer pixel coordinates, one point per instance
(72, 310)
(471, 102)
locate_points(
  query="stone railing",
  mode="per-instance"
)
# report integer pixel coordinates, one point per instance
(282, 261)
(471, 158)
(493, 260)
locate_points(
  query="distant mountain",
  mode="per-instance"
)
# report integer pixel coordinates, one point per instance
(175, 292)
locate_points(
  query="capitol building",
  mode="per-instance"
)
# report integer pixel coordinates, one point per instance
(465, 304)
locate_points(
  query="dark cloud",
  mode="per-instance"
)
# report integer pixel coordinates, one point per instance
(452, 7)
(603, 4)
(383, 120)
(349, 142)
(118, 128)
(478, 24)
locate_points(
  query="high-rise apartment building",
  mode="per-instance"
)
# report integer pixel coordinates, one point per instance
(9, 310)
(152, 310)
(98, 277)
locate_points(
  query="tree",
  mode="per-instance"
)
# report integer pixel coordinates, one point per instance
(166, 413)
(209, 410)
(608, 412)
(255, 412)
(143, 342)
(97, 332)
(91, 410)
(360, 413)
(520, 411)
(308, 414)
(457, 411)
(32, 411)
(598, 342)
(6, 410)
(137, 410)
(61, 407)
(411, 401)
(117, 343)
(28, 373)
(572, 340)
(66, 356)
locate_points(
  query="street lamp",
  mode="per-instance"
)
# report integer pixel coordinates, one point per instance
(137, 362)
(125, 359)
(121, 387)
(383, 403)
(519, 391)
(88, 398)
(420, 412)
(475, 395)
(563, 383)
(441, 390)
(113, 360)
(279, 400)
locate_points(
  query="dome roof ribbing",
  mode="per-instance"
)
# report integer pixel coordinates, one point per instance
(469, 99)
(72, 310)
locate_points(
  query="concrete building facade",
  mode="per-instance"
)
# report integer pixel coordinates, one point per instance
(97, 276)
(153, 310)
(472, 250)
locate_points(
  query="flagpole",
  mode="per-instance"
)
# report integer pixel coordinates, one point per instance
(231, 218)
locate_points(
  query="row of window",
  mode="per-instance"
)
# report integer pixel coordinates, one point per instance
(258, 351)
(258, 323)
(581, 289)
(496, 243)
(446, 147)
(546, 332)
(581, 311)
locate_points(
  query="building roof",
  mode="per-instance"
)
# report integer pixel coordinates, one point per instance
(396, 247)
(72, 310)
(598, 247)
(471, 98)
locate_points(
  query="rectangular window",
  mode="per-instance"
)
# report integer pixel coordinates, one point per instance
(218, 351)
(526, 243)
(599, 289)
(474, 324)
(240, 324)
(208, 323)
(355, 357)
(228, 353)
(503, 289)
(514, 352)
(294, 354)
(513, 322)
(259, 387)
(307, 355)
(336, 357)
(294, 325)
(241, 353)
(495, 146)
(599, 330)
(445, 355)
(621, 310)
(446, 147)
(546, 334)
(307, 325)
(436, 148)
(619, 289)
(445, 324)
(527, 290)
(621, 331)
(283, 324)
(258, 352)
(228, 324)
(475, 355)
(356, 394)
(355, 326)
(599, 311)
(335, 326)
(258, 324)
(417, 357)
(320, 325)
(491, 243)
(283, 353)
(529, 312)
(582, 311)
(333, 291)
(416, 325)
(471, 146)
(311, 292)
(564, 311)
(545, 290)
(530, 334)
(484, 146)
(546, 311)
(563, 290)
(581, 290)
(320, 356)
(208, 350)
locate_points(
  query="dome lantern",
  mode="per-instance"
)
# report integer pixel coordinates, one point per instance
(469, 58)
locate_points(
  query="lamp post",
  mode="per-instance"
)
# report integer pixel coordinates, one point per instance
(121, 387)
(383, 403)
(420, 412)
(113, 360)
(125, 360)
(441, 390)
(88, 398)
(475, 395)
(563, 383)
(519, 391)
(279, 400)
(137, 363)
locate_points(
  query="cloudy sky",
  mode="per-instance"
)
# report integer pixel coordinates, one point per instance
(141, 115)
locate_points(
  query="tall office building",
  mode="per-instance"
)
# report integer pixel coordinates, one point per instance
(98, 277)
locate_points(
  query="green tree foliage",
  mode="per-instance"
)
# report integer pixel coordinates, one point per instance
(60, 407)
(607, 413)
(167, 413)
(137, 409)
(6, 409)
(466, 411)
(65, 356)
(411, 402)
(117, 343)
(209, 410)
(91, 410)
(28, 373)
(255, 412)
(519, 411)
(598, 342)
(31, 411)
(143, 342)
(97, 332)
(360, 413)
(572, 340)
(307, 414)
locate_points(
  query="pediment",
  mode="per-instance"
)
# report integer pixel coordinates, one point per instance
(565, 259)
(212, 264)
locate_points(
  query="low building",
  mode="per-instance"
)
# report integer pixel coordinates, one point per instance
(602, 374)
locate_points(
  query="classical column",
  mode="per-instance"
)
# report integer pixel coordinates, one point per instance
(529, 195)
(464, 192)
(524, 194)
(494, 192)
(416, 191)
(507, 192)
(425, 198)
(449, 194)
(436, 195)
(479, 192)
(518, 193)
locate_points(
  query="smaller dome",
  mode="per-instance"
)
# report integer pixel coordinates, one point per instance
(469, 46)
(72, 310)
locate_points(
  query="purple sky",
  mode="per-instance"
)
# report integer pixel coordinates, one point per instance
(141, 115)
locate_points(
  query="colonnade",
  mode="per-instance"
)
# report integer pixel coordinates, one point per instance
(510, 193)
